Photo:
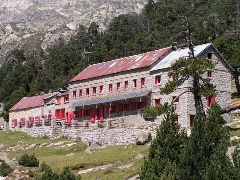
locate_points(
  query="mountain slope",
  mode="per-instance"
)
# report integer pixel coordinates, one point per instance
(38, 23)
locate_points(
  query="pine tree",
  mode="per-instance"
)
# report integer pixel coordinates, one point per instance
(163, 159)
(204, 156)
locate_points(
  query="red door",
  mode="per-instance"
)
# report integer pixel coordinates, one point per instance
(101, 114)
(92, 115)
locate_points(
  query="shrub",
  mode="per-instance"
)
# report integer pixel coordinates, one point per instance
(44, 167)
(28, 161)
(30, 173)
(67, 174)
(4, 169)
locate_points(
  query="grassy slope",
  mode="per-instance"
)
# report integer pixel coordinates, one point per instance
(55, 155)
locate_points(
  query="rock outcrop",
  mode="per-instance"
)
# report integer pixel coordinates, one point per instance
(31, 24)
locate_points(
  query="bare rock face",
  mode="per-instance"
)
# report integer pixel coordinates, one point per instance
(28, 23)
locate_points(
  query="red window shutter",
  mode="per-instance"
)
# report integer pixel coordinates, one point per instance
(39, 119)
(156, 80)
(62, 113)
(212, 99)
(174, 77)
(15, 122)
(31, 120)
(23, 121)
(82, 113)
(143, 104)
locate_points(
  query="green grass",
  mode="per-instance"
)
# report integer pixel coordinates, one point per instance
(56, 158)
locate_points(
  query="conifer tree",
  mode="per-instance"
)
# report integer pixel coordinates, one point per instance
(163, 159)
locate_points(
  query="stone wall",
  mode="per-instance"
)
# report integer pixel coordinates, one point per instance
(104, 136)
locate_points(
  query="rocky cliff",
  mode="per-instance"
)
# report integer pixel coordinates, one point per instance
(37, 24)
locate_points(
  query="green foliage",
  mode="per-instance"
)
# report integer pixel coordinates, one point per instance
(4, 169)
(205, 152)
(150, 113)
(49, 174)
(159, 25)
(30, 173)
(185, 68)
(28, 160)
(164, 150)
(66, 174)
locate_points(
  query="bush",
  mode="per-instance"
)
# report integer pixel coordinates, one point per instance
(67, 174)
(30, 173)
(4, 169)
(28, 161)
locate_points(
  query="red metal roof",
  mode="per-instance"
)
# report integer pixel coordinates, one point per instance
(30, 102)
(121, 65)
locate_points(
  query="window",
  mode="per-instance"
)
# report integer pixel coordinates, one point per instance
(157, 79)
(209, 73)
(175, 76)
(210, 55)
(100, 89)
(176, 120)
(175, 99)
(210, 100)
(58, 100)
(142, 82)
(74, 94)
(110, 87)
(125, 84)
(87, 91)
(157, 101)
(118, 86)
(80, 93)
(66, 99)
(191, 120)
(134, 83)
(94, 90)
(57, 113)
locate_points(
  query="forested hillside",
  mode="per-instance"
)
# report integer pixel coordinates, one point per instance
(159, 25)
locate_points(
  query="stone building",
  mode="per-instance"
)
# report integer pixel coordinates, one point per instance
(119, 89)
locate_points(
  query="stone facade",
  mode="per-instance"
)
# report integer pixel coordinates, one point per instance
(118, 98)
